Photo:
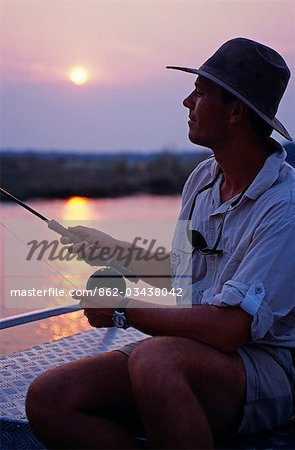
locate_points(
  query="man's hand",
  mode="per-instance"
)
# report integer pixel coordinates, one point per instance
(97, 248)
(99, 318)
(99, 310)
(94, 245)
(90, 235)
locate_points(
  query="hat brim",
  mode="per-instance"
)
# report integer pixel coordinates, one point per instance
(275, 123)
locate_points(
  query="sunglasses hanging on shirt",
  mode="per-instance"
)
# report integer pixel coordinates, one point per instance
(196, 239)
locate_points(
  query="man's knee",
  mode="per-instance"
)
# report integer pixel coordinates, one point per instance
(45, 395)
(152, 360)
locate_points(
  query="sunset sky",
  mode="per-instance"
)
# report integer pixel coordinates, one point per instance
(125, 99)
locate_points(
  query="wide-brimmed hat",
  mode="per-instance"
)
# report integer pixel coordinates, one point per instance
(253, 72)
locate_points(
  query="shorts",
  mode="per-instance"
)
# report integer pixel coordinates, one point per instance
(270, 398)
(128, 348)
(270, 390)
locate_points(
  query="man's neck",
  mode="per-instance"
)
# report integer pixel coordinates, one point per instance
(240, 164)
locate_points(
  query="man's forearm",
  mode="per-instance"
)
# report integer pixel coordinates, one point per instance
(226, 329)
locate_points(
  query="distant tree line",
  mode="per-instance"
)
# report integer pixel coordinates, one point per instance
(55, 175)
(31, 174)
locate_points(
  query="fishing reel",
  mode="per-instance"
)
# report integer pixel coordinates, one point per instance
(107, 278)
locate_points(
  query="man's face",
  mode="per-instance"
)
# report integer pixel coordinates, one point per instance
(207, 114)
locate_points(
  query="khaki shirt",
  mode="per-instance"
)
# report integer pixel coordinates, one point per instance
(256, 270)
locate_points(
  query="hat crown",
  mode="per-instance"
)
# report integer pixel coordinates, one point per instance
(253, 70)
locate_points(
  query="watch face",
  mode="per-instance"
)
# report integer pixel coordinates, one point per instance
(119, 319)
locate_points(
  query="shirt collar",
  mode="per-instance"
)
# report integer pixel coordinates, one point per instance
(267, 175)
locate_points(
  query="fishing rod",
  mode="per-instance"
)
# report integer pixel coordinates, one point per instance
(113, 272)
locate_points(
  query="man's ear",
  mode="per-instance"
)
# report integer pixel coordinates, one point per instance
(238, 111)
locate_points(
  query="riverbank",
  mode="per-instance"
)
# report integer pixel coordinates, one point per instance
(60, 175)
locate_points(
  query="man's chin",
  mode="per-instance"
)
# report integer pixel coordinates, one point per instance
(195, 139)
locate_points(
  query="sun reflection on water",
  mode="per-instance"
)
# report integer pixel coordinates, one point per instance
(78, 208)
(55, 328)
(74, 209)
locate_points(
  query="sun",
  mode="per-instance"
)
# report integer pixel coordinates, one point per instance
(78, 75)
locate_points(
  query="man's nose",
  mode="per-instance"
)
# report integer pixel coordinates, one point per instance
(187, 102)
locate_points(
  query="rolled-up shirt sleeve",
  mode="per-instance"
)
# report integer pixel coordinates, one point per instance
(264, 282)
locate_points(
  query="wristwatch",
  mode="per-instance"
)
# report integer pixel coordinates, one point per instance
(119, 317)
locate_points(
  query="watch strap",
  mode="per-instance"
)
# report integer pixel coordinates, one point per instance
(120, 311)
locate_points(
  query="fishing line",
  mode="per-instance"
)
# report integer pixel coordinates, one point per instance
(46, 262)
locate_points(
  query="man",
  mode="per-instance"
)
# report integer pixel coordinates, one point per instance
(223, 366)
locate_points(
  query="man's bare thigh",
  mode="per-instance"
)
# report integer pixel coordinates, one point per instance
(217, 379)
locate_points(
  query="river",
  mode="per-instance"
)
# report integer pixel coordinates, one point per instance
(140, 216)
